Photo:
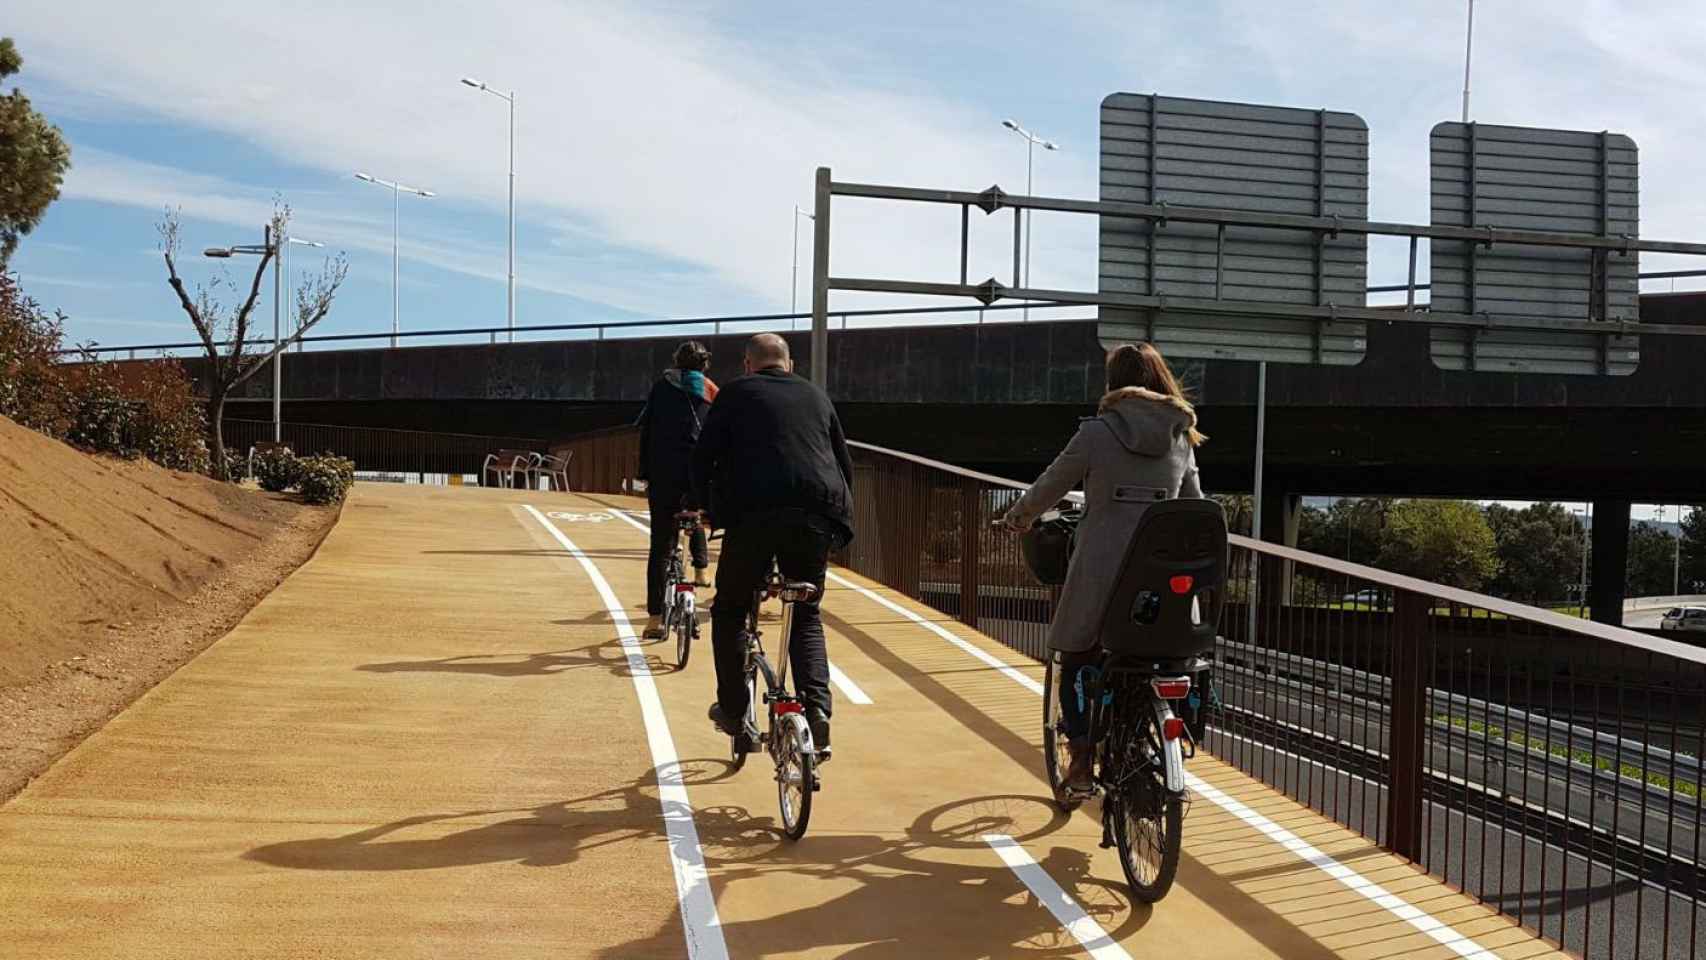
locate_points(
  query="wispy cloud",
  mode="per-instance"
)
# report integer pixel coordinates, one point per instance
(658, 134)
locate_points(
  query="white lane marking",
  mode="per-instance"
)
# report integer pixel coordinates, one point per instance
(1440, 931)
(1065, 909)
(1013, 673)
(623, 515)
(849, 689)
(699, 918)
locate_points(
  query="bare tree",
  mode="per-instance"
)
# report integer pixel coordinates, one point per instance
(224, 332)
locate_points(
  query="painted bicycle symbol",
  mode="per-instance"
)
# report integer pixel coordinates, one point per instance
(579, 517)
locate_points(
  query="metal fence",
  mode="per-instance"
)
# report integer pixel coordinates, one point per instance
(1547, 766)
(379, 450)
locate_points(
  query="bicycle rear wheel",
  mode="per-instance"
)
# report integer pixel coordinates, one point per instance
(1148, 820)
(796, 775)
(1056, 758)
(685, 626)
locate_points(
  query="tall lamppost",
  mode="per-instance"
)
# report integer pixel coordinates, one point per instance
(1032, 141)
(396, 188)
(510, 98)
(275, 246)
(1676, 559)
(794, 289)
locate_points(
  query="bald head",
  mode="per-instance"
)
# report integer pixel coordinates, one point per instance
(767, 350)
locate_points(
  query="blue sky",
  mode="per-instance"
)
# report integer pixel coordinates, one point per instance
(662, 146)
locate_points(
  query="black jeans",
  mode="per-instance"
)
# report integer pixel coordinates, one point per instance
(1072, 710)
(664, 505)
(800, 543)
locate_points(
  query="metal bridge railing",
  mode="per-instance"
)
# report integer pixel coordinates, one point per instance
(1548, 766)
(616, 329)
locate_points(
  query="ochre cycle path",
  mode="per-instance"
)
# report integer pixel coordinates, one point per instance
(440, 739)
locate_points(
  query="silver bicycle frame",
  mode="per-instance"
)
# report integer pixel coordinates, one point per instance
(782, 646)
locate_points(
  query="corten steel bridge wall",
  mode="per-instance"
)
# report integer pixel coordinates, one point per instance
(1545, 765)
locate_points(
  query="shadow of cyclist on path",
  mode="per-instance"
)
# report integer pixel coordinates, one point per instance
(550, 835)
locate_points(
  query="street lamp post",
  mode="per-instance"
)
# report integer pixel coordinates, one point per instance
(396, 188)
(275, 246)
(510, 98)
(1676, 559)
(794, 289)
(1032, 141)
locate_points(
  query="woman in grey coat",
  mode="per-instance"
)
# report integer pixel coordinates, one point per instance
(1139, 448)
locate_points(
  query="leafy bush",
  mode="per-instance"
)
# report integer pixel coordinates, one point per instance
(147, 409)
(33, 391)
(277, 470)
(169, 425)
(325, 478)
(236, 466)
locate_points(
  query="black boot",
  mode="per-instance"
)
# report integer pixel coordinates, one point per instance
(819, 725)
(745, 737)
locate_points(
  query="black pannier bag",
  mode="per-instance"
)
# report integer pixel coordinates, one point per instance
(1166, 603)
(1048, 545)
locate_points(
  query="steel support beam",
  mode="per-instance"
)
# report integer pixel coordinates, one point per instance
(820, 281)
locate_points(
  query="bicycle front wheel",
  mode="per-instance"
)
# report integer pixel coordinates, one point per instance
(1056, 757)
(796, 775)
(1148, 819)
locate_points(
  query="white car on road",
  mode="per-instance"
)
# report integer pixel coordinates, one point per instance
(1692, 619)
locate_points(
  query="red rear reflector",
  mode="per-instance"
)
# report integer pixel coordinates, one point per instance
(1171, 689)
(786, 706)
(1182, 584)
(1173, 729)
(684, 588)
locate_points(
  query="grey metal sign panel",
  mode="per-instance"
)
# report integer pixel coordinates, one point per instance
(1237, 156)
(1567, 181)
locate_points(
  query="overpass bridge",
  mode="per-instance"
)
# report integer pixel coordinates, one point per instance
(1393, 424)
(442, 737)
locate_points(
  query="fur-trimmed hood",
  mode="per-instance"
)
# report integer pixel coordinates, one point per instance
(1146, 422)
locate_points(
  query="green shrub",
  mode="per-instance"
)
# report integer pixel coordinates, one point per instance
(325, 478)
(278, 469)
(33, 392)
(236, 466)
(169, 422)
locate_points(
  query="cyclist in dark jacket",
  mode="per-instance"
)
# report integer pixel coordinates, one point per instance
(772, 466)
(669, 427)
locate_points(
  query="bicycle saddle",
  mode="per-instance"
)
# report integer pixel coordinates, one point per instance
(800, 592)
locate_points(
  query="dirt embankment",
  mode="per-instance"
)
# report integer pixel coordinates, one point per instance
(114, 573)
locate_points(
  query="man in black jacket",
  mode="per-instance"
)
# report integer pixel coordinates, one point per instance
(773, 467)
(669, 427)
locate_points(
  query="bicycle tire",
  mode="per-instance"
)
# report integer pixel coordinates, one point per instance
(796, 776)
(1148, 820)
(1055, 756)
(685, 621)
